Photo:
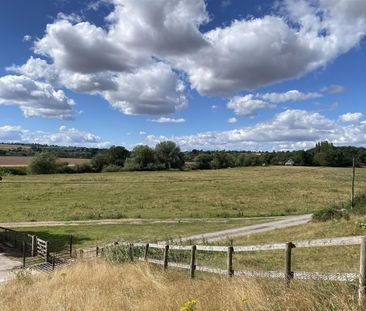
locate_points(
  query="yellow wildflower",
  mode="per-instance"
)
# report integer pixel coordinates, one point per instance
(188, 305)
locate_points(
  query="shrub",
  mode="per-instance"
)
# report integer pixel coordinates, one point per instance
(43, 163)
(21, 170)
(330, 213)
(83, 168)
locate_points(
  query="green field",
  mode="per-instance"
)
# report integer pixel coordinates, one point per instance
(91, 235)
(239, 192)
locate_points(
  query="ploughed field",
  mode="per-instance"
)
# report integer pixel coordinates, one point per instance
(238, 192)
(24, 161)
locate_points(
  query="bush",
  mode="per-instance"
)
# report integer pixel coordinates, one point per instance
(21, 170)
(331, 213)
(83, 168)
(43, 163)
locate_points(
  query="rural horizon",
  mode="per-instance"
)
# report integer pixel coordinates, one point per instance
(190, 155)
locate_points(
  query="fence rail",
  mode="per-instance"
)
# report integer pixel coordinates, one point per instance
(287, 274)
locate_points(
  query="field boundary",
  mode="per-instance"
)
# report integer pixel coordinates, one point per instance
(133, 249)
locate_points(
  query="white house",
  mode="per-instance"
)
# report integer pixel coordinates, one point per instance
(290, 162)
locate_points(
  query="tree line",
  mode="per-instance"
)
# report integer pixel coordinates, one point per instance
(167, 155)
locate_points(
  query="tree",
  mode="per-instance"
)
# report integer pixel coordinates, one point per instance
(169, 154)
(99, 161)
(142, 157)
(222, 159)
(117, 155)
(203, 161)
(43, 163)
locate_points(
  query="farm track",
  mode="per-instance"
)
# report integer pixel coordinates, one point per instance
(131, 221)
(285, 222)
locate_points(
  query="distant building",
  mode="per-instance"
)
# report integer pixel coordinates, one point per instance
(290, 162)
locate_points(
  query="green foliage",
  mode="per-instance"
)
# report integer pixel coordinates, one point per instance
(330, 213)
(142, 158)
(117, 155)
(222, 160)
(99, 161)
(16, 170)
(43, 163)
(169, 154)
(203, 161)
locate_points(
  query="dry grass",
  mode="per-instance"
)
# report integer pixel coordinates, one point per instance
(100, 286)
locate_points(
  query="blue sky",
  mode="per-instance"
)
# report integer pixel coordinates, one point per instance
(220, 74)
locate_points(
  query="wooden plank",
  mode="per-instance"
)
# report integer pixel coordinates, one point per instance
(261, 247)
(181, 247)
(326, 276)
(265, 274)
(212, 248)
(211, 270)
(161, 246)
(353, 240)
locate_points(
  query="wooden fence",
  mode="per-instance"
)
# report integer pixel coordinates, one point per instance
(287, 274)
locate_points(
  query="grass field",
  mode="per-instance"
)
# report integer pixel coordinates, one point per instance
(239, 192)
(91, 235)
(6, 161)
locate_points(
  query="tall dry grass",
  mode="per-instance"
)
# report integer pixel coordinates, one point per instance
(96, 286)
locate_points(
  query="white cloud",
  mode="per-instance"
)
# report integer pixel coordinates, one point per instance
(151, 90)
(291, 129)
(168, 120)
(333, 89)
(247, 105)
(35, 98)
(63, 137)
(299, 37)
(142, 133)
(351, 117)
(214, 107)
(259, 51)
(292, 95)
(232, 120)
(85, 48)
(27, 38)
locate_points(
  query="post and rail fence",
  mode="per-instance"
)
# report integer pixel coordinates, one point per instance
(146, 249)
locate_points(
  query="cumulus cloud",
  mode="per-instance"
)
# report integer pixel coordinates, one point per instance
(35, 98)
(299, 37)
(151, 90)
(291, 129)
(351, 117)
(247, 105)
(168, 120)
(292, 95)
(232, 120)
(64, 137)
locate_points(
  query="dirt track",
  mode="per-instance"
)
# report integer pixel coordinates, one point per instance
(231, 233)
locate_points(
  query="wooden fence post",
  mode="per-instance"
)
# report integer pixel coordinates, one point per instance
(70, 245)
(34, 246)
(146, 253)
(166, 254)
(288, 273)
(130, 251)
(24, 252)
(47, 252)
(193, 260)
(96, 251)
(353, 183)
(362, 275)
(230, 251)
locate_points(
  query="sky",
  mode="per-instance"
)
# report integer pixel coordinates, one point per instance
(212, 75)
